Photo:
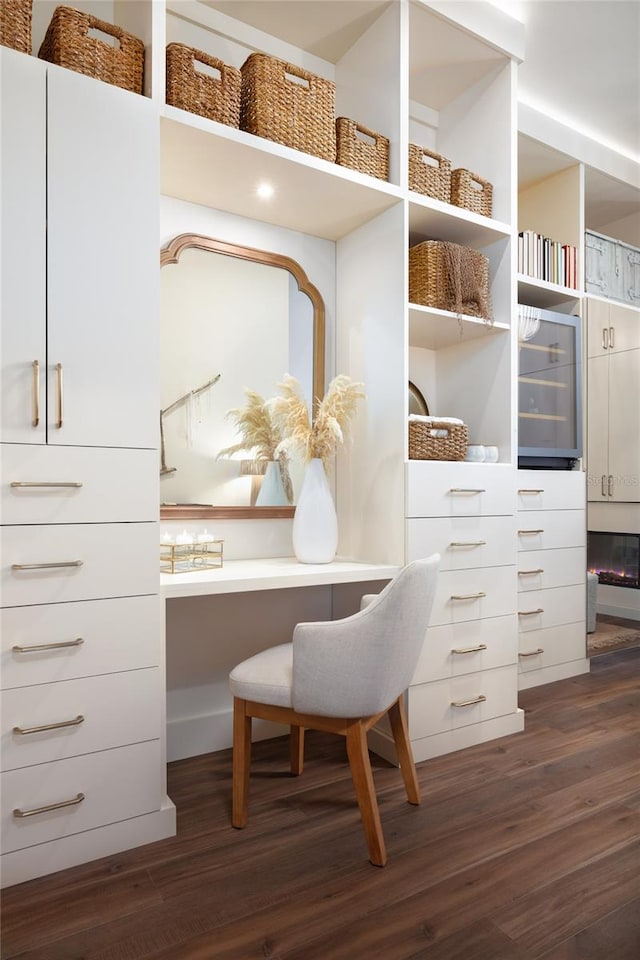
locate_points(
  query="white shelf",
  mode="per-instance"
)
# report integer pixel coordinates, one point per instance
(434, 329)
(239, 576)
(541, 293)
(431, 219)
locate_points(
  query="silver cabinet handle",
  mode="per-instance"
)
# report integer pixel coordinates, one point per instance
(46, 566)
(605, 338)
(59, 397)
(532, 653)
(530, 573)
(36, 394)
(79, 797)
(50, 726)
(476, 649)
(610, 485)
(611, 339)
(530, 491)
(529, 533)
(603, 485)
(467, 490)
(45, 483)
(467, 703)
(36, 647)
(468, 543)
(468, 596)
(530, 613)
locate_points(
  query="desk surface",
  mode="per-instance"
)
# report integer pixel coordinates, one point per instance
(238, 576)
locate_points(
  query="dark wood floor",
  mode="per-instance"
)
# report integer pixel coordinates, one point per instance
(525, 848)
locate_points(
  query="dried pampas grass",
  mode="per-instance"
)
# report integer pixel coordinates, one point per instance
(260, 436)
(318, 437)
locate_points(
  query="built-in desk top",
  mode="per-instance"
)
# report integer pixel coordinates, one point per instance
(237, 576)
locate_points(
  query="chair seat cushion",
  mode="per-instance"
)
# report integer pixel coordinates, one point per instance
(265, 678)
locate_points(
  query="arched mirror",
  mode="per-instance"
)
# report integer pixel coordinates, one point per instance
(232, 318)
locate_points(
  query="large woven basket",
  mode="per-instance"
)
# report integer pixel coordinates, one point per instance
(214, 97)
(425, 444)
(15, 24)
(289, 105)
(472, 192)
(68, 44)
(429, 173)
(449, 277)
(362, 149)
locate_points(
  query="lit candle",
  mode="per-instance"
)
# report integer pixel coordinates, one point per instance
(184, 538)
(205, 537)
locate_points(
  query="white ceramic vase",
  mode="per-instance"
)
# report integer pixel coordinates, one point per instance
(315, 524)
(272, 492)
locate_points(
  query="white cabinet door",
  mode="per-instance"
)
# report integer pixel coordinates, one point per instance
(22, 284)
(624, 426)
(597, 328)
(103, 263)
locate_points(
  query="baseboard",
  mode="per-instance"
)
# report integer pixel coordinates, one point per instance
(45, 858)
(625, 613)
(559, 671)
(193, 736)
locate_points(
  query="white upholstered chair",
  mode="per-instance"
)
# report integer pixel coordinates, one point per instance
(340, 676)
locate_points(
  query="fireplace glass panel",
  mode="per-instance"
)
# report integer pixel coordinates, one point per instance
(615, 557)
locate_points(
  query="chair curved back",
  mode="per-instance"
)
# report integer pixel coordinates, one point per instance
(360, 665)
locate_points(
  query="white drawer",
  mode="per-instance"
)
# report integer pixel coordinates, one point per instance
(479, 696)
(101, 713)
(539, 609)
(115, 784)
(471, 594)
(80, 639)
(546, 648)
(437, 488)
(550, 489)
(117, 560)
(116, 485)
(463, 542)
(546, 530)
(458, 648)
(539, 569)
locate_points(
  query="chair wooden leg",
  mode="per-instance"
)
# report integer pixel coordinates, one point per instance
(241, 763)
(398, 722)
(358, 754)
(296, 746)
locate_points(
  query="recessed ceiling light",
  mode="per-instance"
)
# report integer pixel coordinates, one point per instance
(265, 191)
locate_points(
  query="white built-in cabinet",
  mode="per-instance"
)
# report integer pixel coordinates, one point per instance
(613, 370)
(82, 663)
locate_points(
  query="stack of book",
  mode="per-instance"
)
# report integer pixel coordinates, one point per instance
(546, 259)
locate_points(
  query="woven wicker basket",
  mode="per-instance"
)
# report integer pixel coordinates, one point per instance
(368, 153)
(284, 103)
(423, 445)
(472, 192)
(68, 44)
(15, 24)
(437, 275)
(431, 179)
(217, 98)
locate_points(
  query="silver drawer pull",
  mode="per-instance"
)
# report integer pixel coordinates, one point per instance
(34, 648)
(48, 483)
(530, 613)
(50, 726)
(468, 543)
(605, 338)
(59, 397)
(532, 653)
(477, 649)
(466, 490)
(468, 596)
(611, 338)
(46, 566)
(467, 703)
(530, 491)
(530, 573)
(529, 533)
(79, 797)
(36, 394)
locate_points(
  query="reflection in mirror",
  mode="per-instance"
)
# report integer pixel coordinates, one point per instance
(232, 318)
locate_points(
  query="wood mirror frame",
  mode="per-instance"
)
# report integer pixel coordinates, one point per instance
(171, 254)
